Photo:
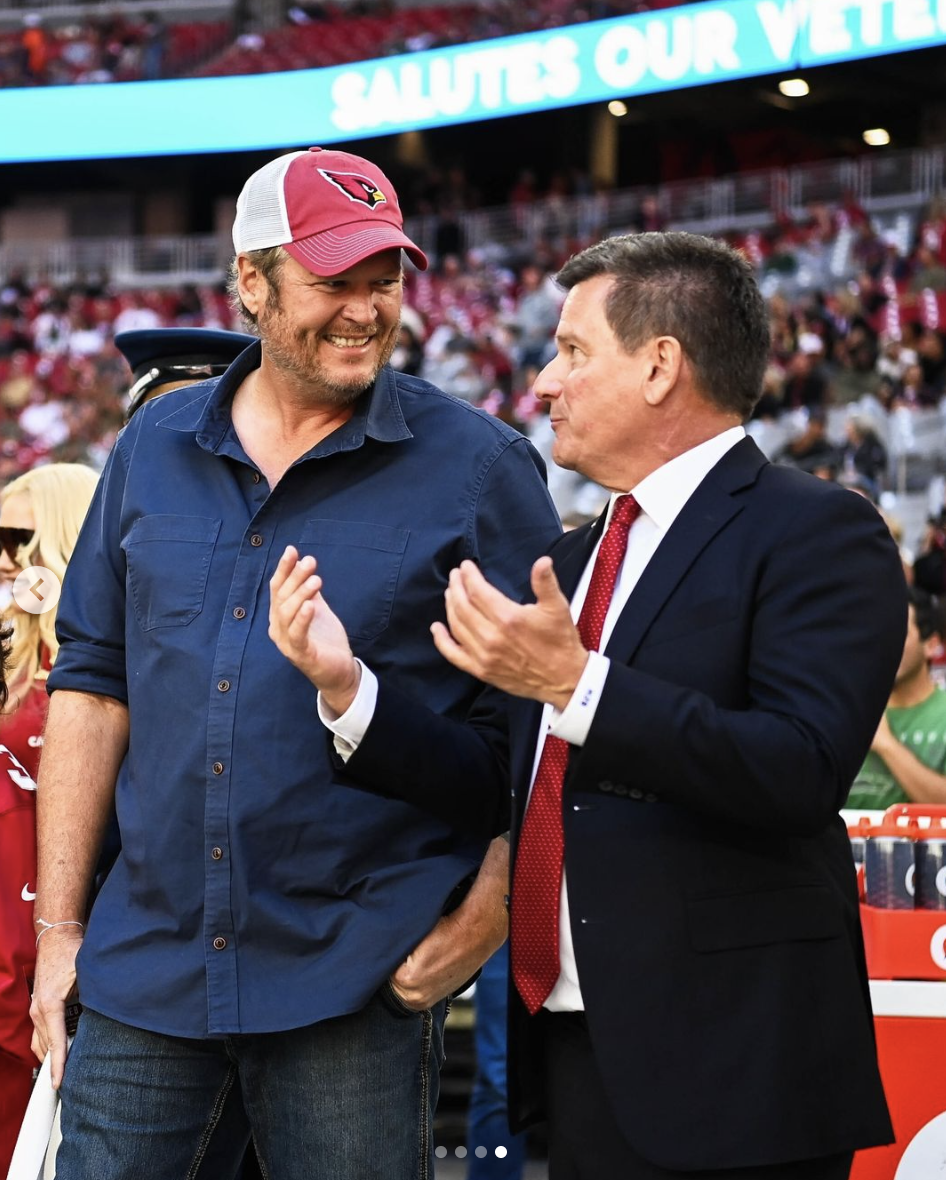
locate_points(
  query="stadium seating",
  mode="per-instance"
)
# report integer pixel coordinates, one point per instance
(324, 43)
(111, 50)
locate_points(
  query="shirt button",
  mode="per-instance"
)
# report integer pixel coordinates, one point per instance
(217, 853)
(220, 943)
(217, 768)
(223, 685)
(256, 540)
(239, 612)
(256, 477)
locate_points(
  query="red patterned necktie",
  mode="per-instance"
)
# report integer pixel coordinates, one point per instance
(537, 881)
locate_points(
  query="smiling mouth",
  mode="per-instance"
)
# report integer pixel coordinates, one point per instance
(348, 341)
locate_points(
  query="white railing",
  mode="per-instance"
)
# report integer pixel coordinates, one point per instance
(55, 12)
(901, 181)
(58, 12)
(127, 262)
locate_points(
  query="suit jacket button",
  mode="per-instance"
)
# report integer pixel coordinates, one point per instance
(606, 785)
(620, 789)
(636, 793)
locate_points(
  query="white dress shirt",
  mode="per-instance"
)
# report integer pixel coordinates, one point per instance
(661, 497)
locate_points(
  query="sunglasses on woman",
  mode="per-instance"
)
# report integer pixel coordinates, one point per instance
(13, 540)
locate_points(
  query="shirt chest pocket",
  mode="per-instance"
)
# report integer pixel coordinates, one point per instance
(168, 559)
(360, 564)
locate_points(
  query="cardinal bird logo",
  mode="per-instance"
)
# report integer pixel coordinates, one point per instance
(356, 187)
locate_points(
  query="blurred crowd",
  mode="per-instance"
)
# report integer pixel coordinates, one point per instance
(127, 46)
(116, 48)
(480, 324)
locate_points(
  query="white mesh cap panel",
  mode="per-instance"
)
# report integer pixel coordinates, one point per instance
(261, 218)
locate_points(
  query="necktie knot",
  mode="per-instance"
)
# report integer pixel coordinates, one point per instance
(626, 511)
(611, 553)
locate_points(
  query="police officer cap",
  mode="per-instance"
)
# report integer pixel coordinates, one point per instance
(158, 356)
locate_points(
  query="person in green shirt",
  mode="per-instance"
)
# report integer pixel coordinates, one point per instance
(907, 758)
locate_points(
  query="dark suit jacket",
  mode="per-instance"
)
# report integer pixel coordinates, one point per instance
(710, 879)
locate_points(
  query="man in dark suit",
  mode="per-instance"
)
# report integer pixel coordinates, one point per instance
(684, 708)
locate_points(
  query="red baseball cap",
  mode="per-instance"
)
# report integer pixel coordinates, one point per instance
(330, 210)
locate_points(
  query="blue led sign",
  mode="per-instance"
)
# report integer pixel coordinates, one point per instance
(633, 55)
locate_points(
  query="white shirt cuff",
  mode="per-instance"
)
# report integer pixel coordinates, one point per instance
(574, 721)
(351, 726)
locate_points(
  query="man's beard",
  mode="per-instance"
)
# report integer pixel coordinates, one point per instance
(296, 354)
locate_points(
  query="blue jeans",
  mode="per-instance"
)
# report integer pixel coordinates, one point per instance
(488, 1124)
(346, 1099)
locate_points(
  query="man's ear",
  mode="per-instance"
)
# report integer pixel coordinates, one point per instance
(932, 646)
(665, 361)
(250, 284)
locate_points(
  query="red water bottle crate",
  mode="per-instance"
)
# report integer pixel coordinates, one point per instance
(903, 907)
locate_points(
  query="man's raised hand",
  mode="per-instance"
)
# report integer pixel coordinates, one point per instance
(308, 633)
(531, 651)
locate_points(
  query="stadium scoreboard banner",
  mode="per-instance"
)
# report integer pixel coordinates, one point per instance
(633, 55)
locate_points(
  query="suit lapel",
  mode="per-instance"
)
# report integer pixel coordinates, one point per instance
(571, 552)
(708, 510)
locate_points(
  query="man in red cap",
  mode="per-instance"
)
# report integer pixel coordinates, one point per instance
(266, 932)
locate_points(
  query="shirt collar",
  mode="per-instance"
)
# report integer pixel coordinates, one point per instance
(378, 414)
(663, 493)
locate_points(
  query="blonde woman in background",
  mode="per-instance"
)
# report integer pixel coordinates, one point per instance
(40, 516)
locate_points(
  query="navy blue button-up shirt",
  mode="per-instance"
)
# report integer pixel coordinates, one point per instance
(254, 890)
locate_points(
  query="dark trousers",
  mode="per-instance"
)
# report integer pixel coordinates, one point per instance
(584, 1140)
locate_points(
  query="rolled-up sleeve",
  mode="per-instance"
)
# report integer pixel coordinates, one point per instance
(90, 622)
